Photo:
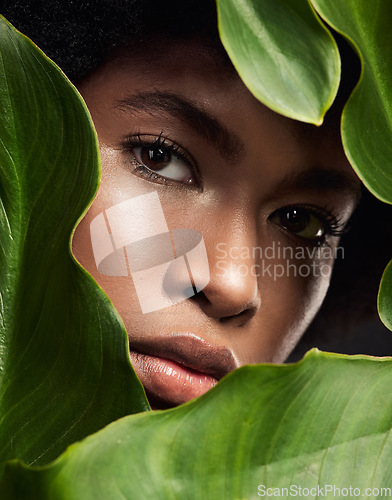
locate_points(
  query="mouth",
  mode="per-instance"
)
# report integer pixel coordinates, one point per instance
(177, 368)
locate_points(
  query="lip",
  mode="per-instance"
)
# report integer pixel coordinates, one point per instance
(178, 367)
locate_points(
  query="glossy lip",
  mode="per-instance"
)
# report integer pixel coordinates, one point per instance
(178, 367)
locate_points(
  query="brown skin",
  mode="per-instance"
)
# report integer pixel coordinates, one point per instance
(233, 196)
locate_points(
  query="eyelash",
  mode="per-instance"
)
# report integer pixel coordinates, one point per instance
(170, 148)
(333, 225)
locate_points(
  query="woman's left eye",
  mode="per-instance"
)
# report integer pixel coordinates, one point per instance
(162, 160)
(310, 223)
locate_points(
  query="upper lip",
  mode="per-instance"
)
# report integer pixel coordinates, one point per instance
(191, 351)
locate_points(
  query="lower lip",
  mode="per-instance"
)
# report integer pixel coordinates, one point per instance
(168, 381)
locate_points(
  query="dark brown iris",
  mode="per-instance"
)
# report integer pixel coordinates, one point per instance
(155, 158)
(295, 220)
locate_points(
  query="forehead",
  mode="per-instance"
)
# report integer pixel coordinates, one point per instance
(197, 68)
(191, 66)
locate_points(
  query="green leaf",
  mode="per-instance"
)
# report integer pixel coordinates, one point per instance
(64, 366)
(283, 53)
(367, 118)
(385, 297)
(323, 421)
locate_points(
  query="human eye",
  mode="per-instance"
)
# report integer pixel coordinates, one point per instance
(310, 223)
(160, 160)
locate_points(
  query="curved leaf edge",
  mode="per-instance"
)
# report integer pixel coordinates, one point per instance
(363, 179)
(87, 275)
(372, 189)
(314, 355)
(338, 68)
(385, 318)
(316, 120)
(94, 194)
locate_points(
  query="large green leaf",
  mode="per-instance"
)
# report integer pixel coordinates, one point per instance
(323, 421)
(367, 118)
(283, 53)
(64, 367)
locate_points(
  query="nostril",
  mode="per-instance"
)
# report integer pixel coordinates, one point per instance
(227, 312)
(243, 315)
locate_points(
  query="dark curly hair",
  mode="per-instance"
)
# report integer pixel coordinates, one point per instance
(79, 35)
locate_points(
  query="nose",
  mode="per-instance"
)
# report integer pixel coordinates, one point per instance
(232, 294)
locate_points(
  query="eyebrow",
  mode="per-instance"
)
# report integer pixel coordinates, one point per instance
(230, 146)
(323, 180)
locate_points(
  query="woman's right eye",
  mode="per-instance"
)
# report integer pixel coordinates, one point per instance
(162, 159)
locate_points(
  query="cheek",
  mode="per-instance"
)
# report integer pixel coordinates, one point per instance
(119, 288)
(117, 186)
(308, 285)
(130, 211)
(291, 294)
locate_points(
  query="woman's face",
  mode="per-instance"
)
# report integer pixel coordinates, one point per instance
(269, 196)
